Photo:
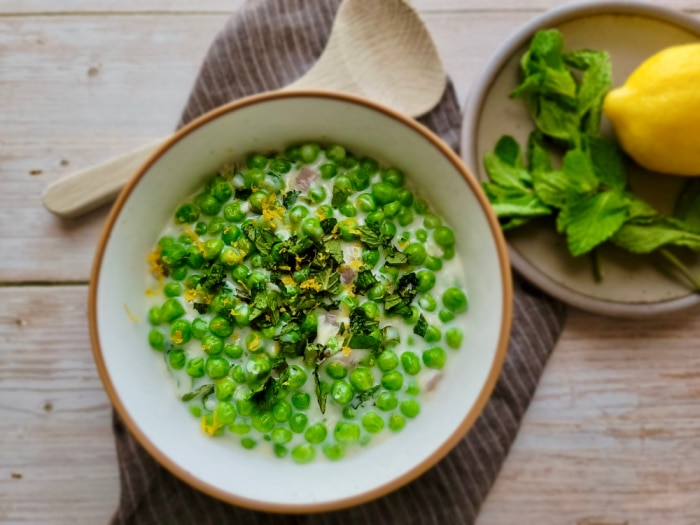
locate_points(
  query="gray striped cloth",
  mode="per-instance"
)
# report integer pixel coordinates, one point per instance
(268, 44)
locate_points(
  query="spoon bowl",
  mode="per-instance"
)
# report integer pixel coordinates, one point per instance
(378, 50)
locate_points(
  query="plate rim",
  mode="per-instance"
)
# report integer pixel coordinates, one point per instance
(470, 123)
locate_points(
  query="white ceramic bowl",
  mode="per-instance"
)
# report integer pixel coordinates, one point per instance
(142, 392)
(631, 31)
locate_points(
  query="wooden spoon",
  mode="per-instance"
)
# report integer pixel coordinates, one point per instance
(379, 50)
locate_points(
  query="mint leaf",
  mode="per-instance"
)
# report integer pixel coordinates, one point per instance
(688, 205)
(592, 220)
(645, 238)
(507, 149)
(364, 281)
(290, 198)
(261, 238)
(608, 162)
(596, 81)
(421, 327)
(267, 396)
(506, 175)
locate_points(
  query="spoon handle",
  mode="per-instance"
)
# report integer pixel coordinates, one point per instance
(91, 187)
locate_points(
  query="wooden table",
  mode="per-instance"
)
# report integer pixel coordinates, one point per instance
(612, 436)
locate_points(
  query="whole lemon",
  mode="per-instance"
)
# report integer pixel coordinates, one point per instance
(656, 113)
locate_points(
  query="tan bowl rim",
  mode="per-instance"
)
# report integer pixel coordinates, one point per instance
(419, 469)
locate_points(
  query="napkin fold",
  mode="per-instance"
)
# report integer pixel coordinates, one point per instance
(265, 46)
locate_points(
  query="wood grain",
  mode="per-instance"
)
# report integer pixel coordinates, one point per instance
(612, 436)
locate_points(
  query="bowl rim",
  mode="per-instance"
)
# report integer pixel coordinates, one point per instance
(444, 448)
(471, 120)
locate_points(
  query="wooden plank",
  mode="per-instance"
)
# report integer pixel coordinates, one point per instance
(613, 434)
(54, 414)
(224, 6)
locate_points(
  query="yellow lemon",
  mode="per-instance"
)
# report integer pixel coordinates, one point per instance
(656, 113)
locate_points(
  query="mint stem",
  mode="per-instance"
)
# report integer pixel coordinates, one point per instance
(682, 268)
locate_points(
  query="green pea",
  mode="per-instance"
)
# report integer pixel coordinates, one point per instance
(393, 380)
(386, 401)
(257, 200)
(410, 408)
(233, 212)
(238, 374)
(325, 211)
(317, 194)
(282, 411)
(335, 153)
(455, 300)
(242, 399)
(333, 451)
(253, 178)
(280, 166)
(233, 351)
(209, 204)
(316, 433)
(390, 271)
(224, 389)
(179, 273)
(195, 258)
(154, 315)
(195, 367)
(372, 422)
(281, 435)
(434, 358)
(220, 326)
(447, 253)
(405, 217)
(361, 379)
(212, 345)
(196, 411)
(222, 302)
(301, 400)
(187, 214)
(371, 309)
(366, 203)
(263, 422)
(348, 209)
(420, 206)
(370, 257)
(374, 218)
(411, 363)
(241, 314)
(336, 370)
(393, 176)
(272, 184)
(304, 453)
(180, 331)
(294, 377)
(369, 165)
(446, 316)
(328, 171)
(257, 280)
(416, 253)
(291, 153)
(258, 367)
(200, 228)
(396, 422)
(428, 303)
(256, 160)
(308, 153)
(444, 236)
(341, 392)
(453, 337)
(225, 413)
(349, 412)
(387, 360)
(298, 422)
(217, 367)
(240, 273)
(348, 229)
(405, 197)
(384, 193)
(388, 229)
(172, 309)
(212, 248)
(156, 339)
(433, 263)
(432, 334)
(426, 280)
(177, 359)
(412, 318)
(311, 226)
(230, 234)
(239, 428)
(413, 389)
(392, 209)
(248, 443)
(377, 291)
(346, 433)
(221, 190)
(360, 179)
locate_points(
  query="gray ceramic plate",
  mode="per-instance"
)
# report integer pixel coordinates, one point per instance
(633, 285)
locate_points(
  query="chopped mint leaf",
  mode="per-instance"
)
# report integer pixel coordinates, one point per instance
(364, 281)
(290, 198)
(321, 393)
(267, 396)
(688, 205)
(361, 398)
(261, 238)
(203, 391)
(421, 327)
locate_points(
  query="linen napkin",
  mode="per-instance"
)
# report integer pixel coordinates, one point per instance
(266, 45)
